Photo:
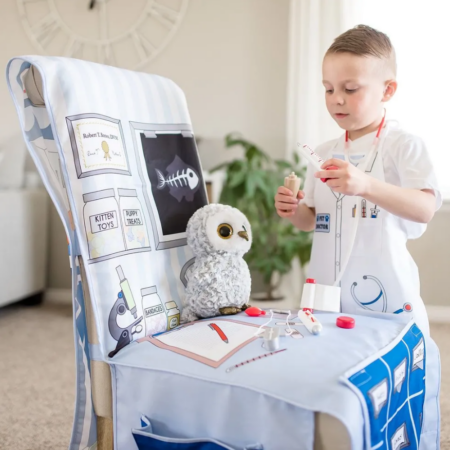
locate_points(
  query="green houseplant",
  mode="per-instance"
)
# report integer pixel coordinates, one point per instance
(250, 185)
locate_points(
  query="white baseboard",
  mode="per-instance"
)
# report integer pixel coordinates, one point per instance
(59, 296)
(438, 314)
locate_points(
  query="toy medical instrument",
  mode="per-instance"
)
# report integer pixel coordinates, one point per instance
(311, 156)
(296, 334)
(271, 338)
(280, 311)
(292, 182)
(308, 294)
(314, 159)
(271, 335)
(324, 180)
(265, 355)
(260, 329)
(219, 331)
(253, 311)
(310, 322)
(320, 297)
(345, 322)
(289, 330)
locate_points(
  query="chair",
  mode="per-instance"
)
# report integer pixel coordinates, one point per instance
(109, 144)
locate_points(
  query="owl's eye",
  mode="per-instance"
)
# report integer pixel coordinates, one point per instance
(225, 231)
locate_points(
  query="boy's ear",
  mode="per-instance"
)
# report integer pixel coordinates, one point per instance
(390, 88)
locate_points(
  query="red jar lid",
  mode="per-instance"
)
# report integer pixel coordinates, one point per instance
(345, 322)
(311, 281)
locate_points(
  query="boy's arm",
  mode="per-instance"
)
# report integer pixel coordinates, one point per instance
(304, 218)
(411, 204)
(299, 214)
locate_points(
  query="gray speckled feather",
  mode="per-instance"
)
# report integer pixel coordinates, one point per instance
(219, 277)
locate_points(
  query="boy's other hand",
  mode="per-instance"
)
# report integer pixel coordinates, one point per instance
(285, 202)
(346, 179)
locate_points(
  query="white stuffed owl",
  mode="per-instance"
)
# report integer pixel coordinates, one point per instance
(219, 281)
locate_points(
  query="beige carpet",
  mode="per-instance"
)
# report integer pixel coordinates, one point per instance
(37, 398)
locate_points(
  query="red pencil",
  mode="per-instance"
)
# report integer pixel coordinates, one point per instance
(222, 335)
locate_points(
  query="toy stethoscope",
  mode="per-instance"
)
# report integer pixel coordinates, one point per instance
(382, 294)
(362, 166)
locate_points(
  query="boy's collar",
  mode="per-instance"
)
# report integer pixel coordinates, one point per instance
(391, 123)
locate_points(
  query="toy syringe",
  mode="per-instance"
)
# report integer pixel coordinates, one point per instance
(314, 159)
(243, 363)
(311, 156)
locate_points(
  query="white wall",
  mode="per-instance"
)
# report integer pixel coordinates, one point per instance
(431, 253)
(229, 57)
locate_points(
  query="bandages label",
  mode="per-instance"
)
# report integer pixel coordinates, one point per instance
(399, 439)
(378, 395)
(152, 310)
(418, 355)
(399, 375)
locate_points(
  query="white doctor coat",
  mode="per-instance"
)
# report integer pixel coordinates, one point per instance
(381, 275)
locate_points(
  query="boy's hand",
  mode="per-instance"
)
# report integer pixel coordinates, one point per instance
(347, 179)
(285, 203)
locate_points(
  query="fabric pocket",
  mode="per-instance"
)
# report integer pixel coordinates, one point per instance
(146, 439)
(368, 240)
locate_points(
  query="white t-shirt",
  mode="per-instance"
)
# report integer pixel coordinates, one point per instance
(406, 164)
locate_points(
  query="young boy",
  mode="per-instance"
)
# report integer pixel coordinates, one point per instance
(395, 194)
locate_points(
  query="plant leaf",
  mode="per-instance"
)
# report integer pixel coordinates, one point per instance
(250, 186)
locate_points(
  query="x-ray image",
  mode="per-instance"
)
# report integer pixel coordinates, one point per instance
(176, 182)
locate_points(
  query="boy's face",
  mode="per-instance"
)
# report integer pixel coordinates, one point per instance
(355, 89)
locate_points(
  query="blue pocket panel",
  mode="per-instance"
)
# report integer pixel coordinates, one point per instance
(146, 439)
(393, 388)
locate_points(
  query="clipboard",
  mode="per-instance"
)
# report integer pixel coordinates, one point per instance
(204, 343)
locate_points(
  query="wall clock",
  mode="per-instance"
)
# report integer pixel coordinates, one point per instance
(123, 33)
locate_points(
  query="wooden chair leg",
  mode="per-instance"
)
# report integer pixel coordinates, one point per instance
(105, 434)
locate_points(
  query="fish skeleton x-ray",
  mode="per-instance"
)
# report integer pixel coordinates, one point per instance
(182, 180)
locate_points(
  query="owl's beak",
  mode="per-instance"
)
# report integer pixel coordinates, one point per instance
(243, 234)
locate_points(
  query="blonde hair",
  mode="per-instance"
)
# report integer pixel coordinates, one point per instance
(363, 40)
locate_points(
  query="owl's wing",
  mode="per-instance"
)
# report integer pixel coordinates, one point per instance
(188, 315)
(203, 273)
